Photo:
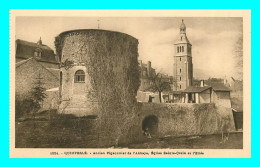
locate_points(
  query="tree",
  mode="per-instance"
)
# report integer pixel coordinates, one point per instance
(159, 83)
(38, 94)
(239, 57)
(238, 54)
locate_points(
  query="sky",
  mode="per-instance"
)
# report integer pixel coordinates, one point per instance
(213, 39)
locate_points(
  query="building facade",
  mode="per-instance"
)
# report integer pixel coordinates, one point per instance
(216, 93)
(34, 62)
(27, 74)
(182, 67)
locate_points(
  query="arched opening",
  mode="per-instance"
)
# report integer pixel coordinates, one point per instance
(150, 125)
(79, 76)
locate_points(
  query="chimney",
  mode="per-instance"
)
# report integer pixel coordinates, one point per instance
(202, 83)
(149, 64)
(40, 41)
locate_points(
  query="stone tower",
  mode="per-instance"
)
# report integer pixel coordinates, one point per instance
(182, 67)
(99, 70)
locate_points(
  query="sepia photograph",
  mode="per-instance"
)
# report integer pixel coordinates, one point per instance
(130, 84)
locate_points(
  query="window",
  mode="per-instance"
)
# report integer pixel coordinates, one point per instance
(177, 49)
(38, 53)
(182, 48)
(180, 70)
(180, 58)
(181, 38)
(180, 86)
(180, 78)
(79, 76)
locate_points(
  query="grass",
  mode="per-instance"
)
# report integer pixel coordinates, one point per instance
(59, 132)
(235, 141)
(79, 133)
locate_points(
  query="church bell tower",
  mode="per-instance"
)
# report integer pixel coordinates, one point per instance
(182, 67)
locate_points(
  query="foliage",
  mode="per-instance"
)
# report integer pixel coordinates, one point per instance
(59, 42)
(113, 72)
(38, 94)
(32, 103)
(159, 84)
(23, 107)
(67, 64)
(238, 53)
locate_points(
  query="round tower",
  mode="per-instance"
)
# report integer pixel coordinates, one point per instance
(98, 68)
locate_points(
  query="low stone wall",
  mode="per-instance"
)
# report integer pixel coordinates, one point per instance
(122, 125)
(180, 120)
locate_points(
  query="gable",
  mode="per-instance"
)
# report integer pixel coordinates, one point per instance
(26, 75)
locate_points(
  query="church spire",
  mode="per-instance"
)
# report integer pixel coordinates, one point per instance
(182, 36)
(182, 27)
(182, 67)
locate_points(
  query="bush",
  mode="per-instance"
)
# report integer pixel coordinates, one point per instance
(23, 107)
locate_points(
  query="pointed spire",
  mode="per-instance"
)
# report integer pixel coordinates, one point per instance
(40, 41)
(182, 36)
(182, 27)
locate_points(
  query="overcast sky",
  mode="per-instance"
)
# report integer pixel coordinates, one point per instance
(213, 39)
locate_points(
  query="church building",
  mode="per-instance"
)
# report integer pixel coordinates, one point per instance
(182, 67)
(183, 90)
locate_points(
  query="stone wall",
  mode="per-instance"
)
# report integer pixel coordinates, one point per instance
(181, 120)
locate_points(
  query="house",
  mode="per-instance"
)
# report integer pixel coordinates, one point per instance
(34, 62)
(27, 73)
(215, 93)
(221, 95)
(194, 94)
(172, 96)
(42, 53)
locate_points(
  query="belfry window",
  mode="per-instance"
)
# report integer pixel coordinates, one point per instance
(177, 49)
(180, 78)
(79, 76)
(180, 58)
(182, 48)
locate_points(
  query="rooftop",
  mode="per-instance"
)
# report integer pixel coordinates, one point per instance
(196, 89)
(25, 50)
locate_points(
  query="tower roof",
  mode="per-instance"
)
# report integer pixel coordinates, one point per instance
(182, 27)
(182, 38)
